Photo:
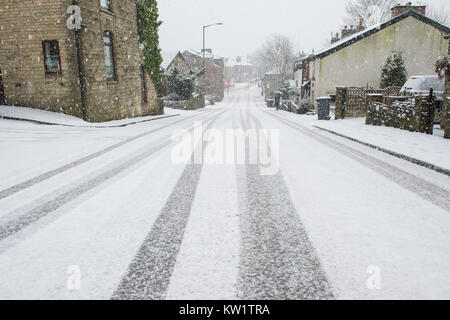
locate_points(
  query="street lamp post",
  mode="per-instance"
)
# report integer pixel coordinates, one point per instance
(204, 29)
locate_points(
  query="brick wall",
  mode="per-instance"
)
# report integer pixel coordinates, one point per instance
(213, 78)
(26, 23)
(23, 26)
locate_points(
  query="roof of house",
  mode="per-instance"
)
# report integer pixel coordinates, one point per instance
(208, 55)
(173, 60)
(343, 43)
(167, 58)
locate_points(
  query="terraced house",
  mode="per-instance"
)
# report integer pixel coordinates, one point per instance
(355, 60)
(95, 72)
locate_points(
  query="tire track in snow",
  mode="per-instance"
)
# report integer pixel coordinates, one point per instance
(22, 220)
(424, 189)
(148, 275)
(277, 258)
(49, 174)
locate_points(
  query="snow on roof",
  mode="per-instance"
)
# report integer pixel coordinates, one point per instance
(231, 62)
(167, 58)
(424, 76)
(349, 38)
(207, 54)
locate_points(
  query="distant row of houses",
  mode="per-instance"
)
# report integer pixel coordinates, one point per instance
(238, 69)
(219, 71)
(212, 82)
(355, 58)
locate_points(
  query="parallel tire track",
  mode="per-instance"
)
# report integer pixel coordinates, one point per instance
(17, 224)
(277, 258)
(424, 189)
(148, 275)
(49, 174)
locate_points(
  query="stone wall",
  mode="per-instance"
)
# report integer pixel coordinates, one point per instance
(120, 98)
(24, 25)
(196, 102)
(445, 118)
(27, 23)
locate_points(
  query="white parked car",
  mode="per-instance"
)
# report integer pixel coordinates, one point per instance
(421, 85)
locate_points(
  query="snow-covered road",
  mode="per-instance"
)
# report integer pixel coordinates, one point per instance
(101, 213)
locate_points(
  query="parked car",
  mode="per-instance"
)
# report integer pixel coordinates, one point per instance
(421, 85)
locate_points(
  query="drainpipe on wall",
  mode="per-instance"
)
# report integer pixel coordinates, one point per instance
(80, 71)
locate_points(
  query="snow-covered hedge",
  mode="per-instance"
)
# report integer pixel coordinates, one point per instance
(305, 106)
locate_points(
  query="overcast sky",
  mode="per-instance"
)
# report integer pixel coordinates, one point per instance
(247, 22)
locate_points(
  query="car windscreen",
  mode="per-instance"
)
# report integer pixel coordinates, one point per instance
(412, 84)
(435, 83)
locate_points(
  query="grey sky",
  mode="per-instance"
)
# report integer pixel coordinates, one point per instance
(247, 22)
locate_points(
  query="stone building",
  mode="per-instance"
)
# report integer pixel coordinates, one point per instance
(301, 76)
(213, 80)
(237, 70)
(357, 59)
(446, 107)
(39, 62)
(271, 82)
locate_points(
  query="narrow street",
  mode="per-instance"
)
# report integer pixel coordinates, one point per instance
(105, 213)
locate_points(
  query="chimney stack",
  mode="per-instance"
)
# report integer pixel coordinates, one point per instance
(347, 31)
(399, 9)
(360, 26)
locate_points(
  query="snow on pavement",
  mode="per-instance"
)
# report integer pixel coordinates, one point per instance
(49, 117)
(358, 219)
(429, 148)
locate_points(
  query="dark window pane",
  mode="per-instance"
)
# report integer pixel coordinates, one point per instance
(106, 4)
(109, 55)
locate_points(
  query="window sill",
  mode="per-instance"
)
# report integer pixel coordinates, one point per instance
(107, 11)
(111, 82)
(53, 74)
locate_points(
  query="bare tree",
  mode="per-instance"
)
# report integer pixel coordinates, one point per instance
(276, 54)
(441, 15)
(371, 12)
